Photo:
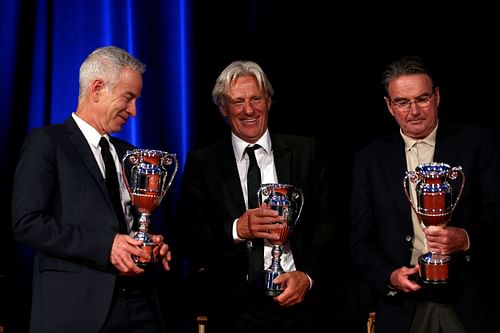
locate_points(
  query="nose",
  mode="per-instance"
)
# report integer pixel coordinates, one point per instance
(248, 106)
(414, 108)
(132, 110)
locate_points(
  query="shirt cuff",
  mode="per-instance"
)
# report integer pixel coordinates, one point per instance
(235, 232)
(310, 281)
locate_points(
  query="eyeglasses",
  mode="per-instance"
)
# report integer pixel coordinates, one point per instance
(239, 102)
(404, 105)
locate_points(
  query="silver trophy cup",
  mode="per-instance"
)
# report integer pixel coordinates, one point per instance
(288, 201)
(434, 207)
(148, 175)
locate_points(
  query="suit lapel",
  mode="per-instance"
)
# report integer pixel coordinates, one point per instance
(282, 160)
(446, 147)
(231, 180)
(82, 148)
(394, 171)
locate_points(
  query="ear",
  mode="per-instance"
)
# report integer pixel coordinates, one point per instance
(438, 95)
(222, 110)
(389, 105)
(269, 102)
(95, 89)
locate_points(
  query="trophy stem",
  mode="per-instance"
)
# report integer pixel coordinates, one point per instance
(273, 271)
(148, 244)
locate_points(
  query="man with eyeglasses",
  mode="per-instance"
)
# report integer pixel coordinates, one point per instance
(387, 238)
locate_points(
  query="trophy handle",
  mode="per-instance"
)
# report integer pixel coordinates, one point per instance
(301, 196)
(411, 176)
(453, 174)
(124, 172)
(167, 160)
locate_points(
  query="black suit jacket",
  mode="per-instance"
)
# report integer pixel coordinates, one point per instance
(61, 208)
(211, 199)
(382, 231)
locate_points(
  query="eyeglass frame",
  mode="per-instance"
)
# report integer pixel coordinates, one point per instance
(417, 100)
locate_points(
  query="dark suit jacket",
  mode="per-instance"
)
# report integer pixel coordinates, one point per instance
(211, 199)
(382, 229)
(60, 207)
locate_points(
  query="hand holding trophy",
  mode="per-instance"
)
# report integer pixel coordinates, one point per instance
(148, 175)
(434, 207)
(288, 201)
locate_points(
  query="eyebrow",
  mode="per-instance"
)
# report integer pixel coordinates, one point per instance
(404, 98)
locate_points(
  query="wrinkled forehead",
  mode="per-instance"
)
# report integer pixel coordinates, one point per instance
(409, 85)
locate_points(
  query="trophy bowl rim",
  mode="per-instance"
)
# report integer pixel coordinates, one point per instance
(149, 152)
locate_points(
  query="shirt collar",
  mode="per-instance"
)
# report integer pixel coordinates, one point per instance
(239, 145)
(90, 133)
(429, 139)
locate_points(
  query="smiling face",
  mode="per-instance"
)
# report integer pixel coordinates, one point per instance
(108, 107)
(246, 109)
(414, 102)
(119, 102)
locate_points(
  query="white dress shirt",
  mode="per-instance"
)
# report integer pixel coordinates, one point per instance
(418, 152)
(265, 160)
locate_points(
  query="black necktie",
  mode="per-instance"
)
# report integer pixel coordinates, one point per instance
(255, 246)
(112, 184)
(253, 177)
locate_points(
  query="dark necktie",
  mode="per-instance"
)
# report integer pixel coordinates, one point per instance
(255, 246)
(253, 177)
(112, 184)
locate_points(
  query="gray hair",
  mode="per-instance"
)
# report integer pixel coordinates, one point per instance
(404, 66)
(107, 63)
(233, 71)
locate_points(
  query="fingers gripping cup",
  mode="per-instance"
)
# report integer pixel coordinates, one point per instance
(434, 207)
(288, 201)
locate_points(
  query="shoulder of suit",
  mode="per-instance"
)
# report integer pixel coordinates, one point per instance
(467, 132)
(122, 143)
(213, 149)
(381, 144)
(292, 138)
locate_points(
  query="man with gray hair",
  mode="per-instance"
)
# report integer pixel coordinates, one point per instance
(63, 206)
(229, 236)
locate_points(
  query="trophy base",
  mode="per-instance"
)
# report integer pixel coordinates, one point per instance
(147, 263)
(434, 269)
(270, 288)
(427, 282)
(272, 292)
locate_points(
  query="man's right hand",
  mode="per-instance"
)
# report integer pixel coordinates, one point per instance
(259, 222)
(124, 247)
(402, 279)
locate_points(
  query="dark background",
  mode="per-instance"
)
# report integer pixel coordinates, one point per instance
(324, 61)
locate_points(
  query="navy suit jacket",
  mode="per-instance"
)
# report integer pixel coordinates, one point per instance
(382, 231)
(61, 208)
(211, 199)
